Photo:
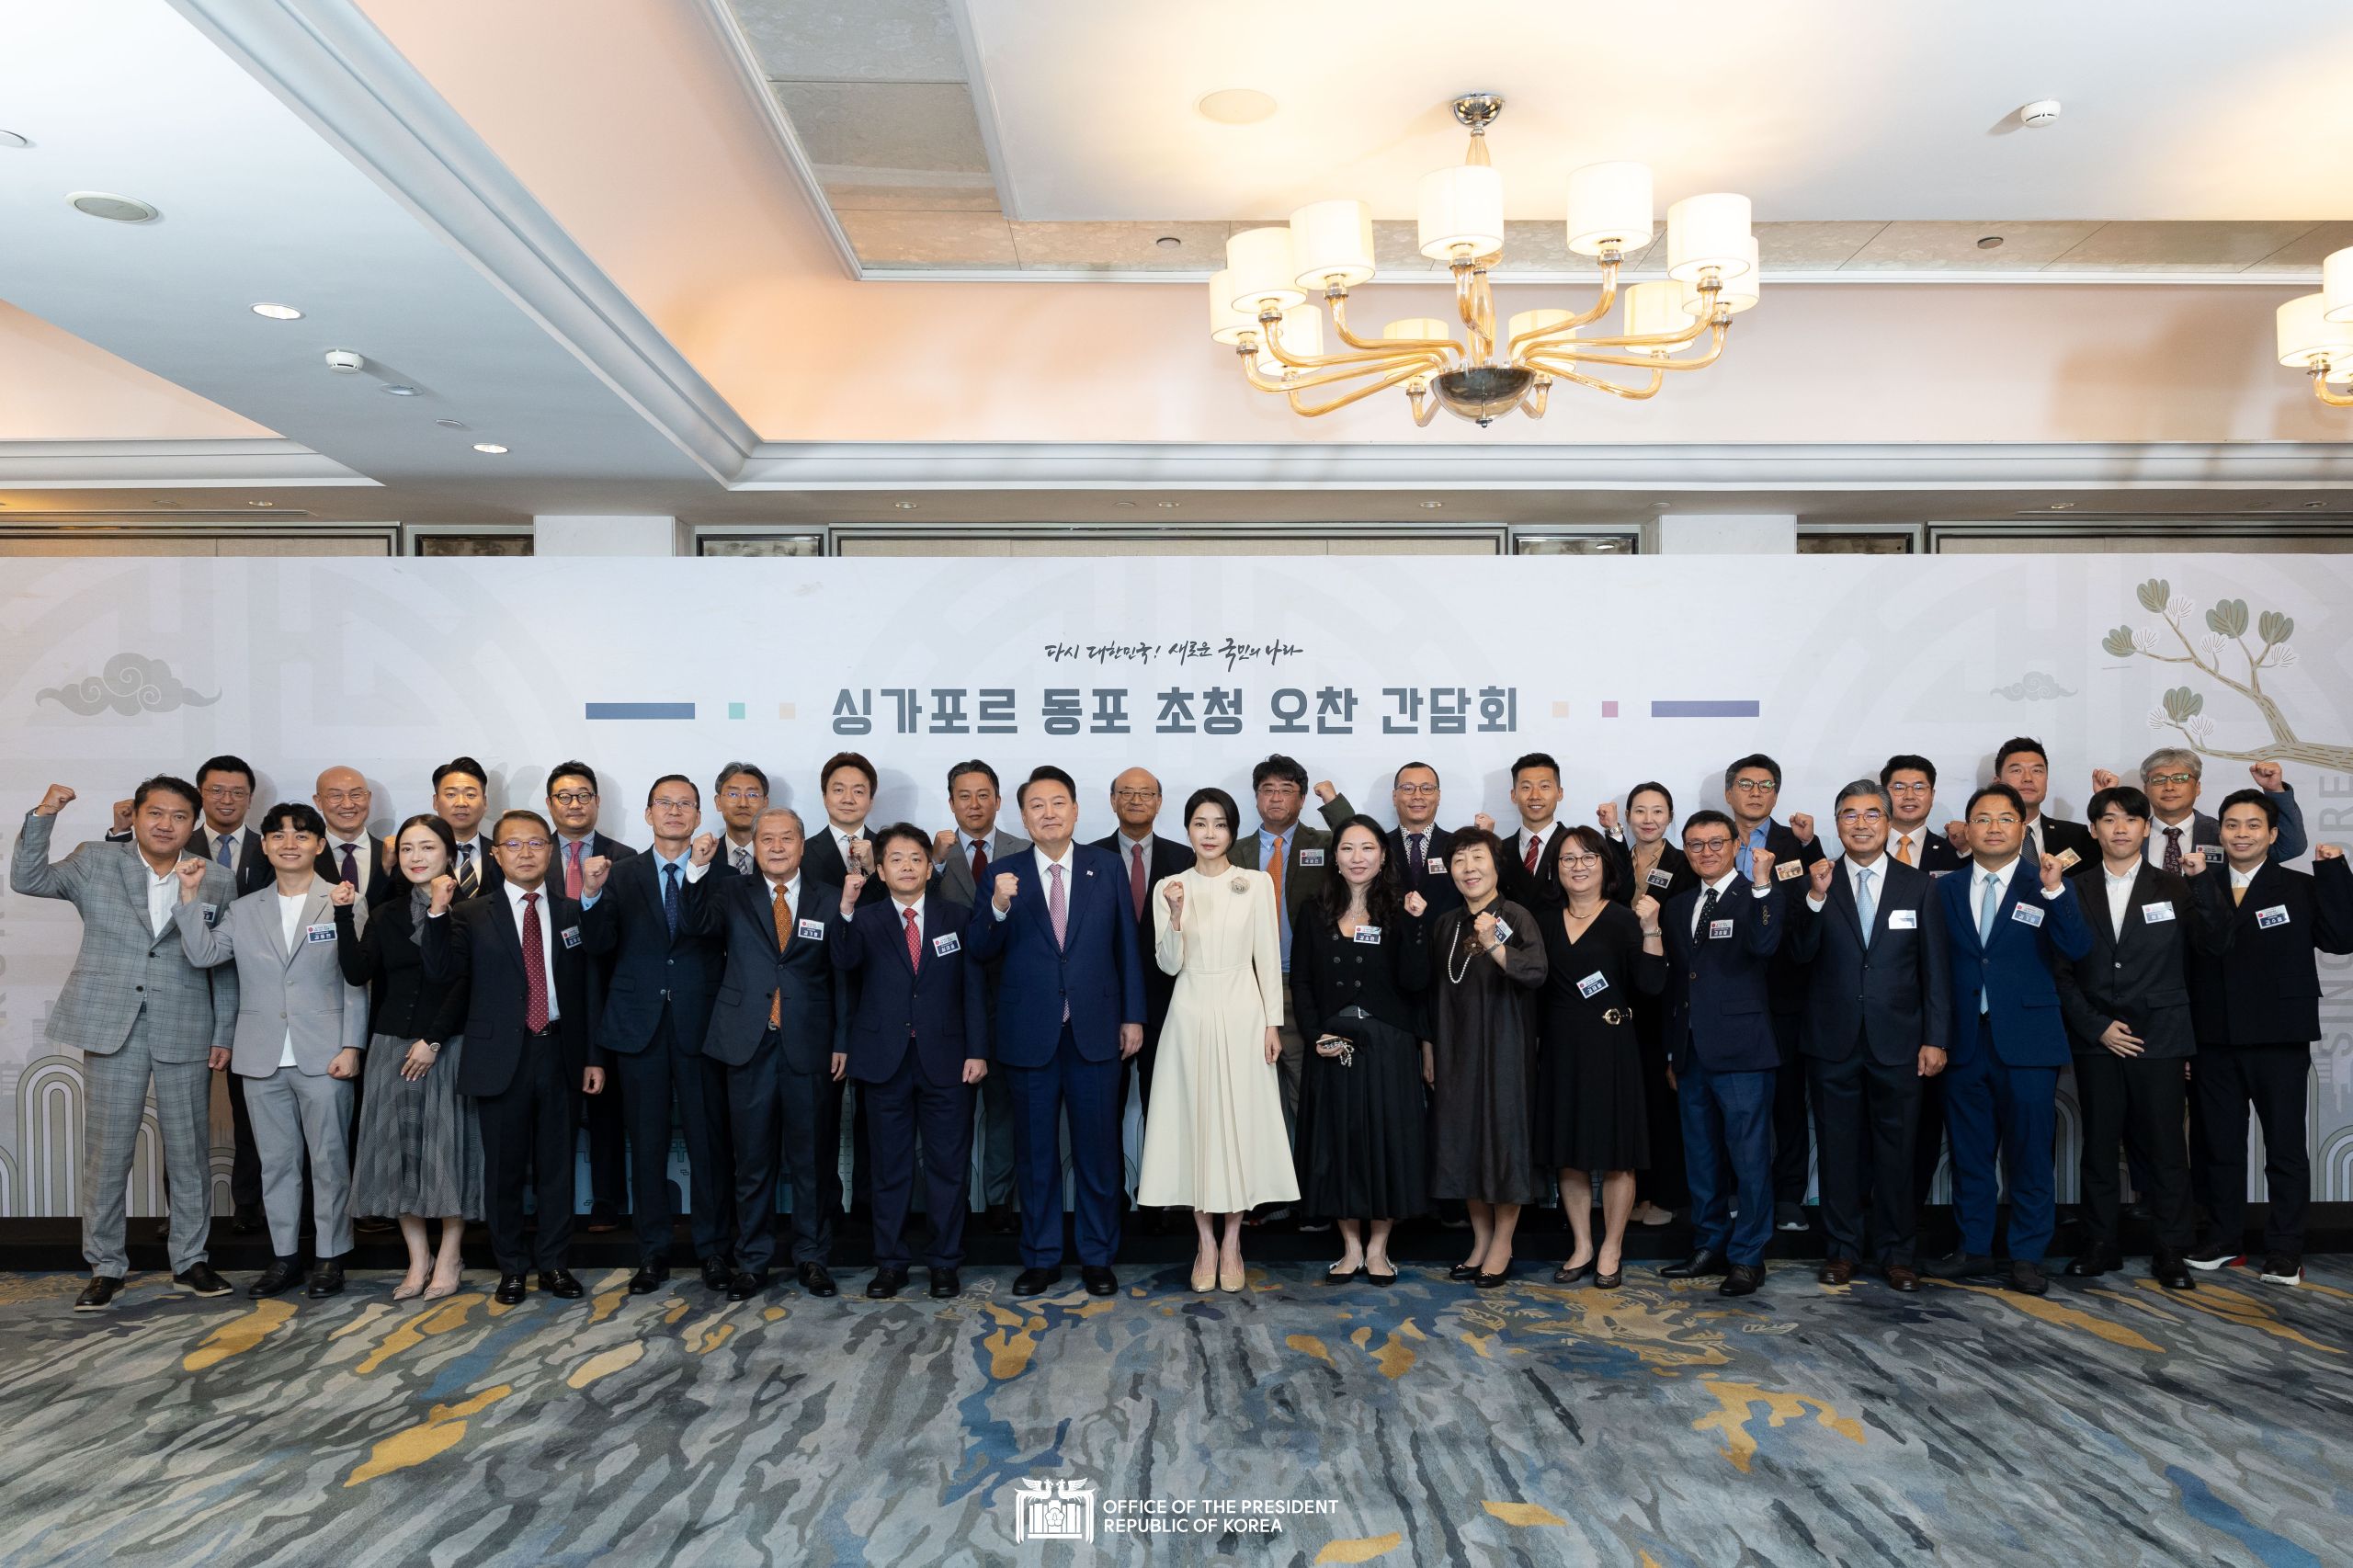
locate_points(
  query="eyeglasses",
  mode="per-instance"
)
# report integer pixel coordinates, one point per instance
(1707, 846)
(573, 797)
(227, 791)
(1414, 790)
(672, 803)
(1921, 787)
(1135, 795)
(743, 795)
(518, 845)
(2003, 819)
(1580, 859)
(2170, 778)
(1872, 815)
(1757, 786)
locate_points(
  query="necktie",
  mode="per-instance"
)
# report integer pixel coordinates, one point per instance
(743, 858)
(2238, 892)
(1136, 877)
(915, 942)
(670, 896)
(1988, 901)
(2033, 849)
(469, 874)
(1535, 847)
(1275, 870)
(1707, 912)
(572, 871)
(2173, 850)
(1865, 905)
(226, 840)
(783, 940)
(1414, 864)
(1904, 850)
(1059, 912)
(979, 863)
(535, 968)
(350, 872)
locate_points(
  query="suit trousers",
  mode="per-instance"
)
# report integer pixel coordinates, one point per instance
(1866, 1115)
(1089, 1092)
(1928, 1145)
(528, 1137)
(114, 1102)
(2275, 1079)
(993, 1123)
(608, 1161)
(903, 1111)
(644, 1087)
(1728, 1156)
(244, 1164)
(296, 1114)
(775, 1120)
(1792, 1151)
(1992, 1108)
(718, 1138)
(2137, 1104)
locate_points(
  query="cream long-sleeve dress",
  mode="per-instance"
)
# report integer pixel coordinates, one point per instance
(1214, 1140)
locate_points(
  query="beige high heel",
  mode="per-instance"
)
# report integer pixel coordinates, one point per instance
(405, 1291)
(436, 1290)
(1233, 1278)
(1205, 1279)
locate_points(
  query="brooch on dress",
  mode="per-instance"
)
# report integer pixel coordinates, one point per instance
(1240, 884)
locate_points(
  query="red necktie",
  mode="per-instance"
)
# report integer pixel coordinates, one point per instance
(979, 863)
(1135, 877)
(915, 943)
(1535, 847)
(571, 871)
(535, 968)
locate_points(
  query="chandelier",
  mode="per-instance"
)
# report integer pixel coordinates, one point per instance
(1260, 304)
(2317, 330)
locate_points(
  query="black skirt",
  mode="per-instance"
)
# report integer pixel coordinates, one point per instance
(1590, 1101)
(1362, 1154)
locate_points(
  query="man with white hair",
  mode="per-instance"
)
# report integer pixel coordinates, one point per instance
(2173, 777)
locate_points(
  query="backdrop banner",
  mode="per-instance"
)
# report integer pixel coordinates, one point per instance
(1623, 669)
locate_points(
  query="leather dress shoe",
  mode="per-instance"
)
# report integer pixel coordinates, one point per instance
(2171, 1270)
(1036, 1281)
(1741, 1279)
(559, 1283)
(201, 1280)
(1837, 1271)
(946, 1284)
(326, 1280)
(279, 1278)
(2028, 1279)
(511, 1289)
(1960, 1266)
(1098, 1280)
(1578, 1274)
(1495, 1281)
(1903, 1277)
(2092, 1264)
(886, 1283)
(649, 1279)
(744, 1284)
(814, 1278)
(98, 1294)
(1704, 1264)
(716, 1273)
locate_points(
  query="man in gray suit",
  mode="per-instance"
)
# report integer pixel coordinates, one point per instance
(139, 1012)
(961, 857)
(300, 1030)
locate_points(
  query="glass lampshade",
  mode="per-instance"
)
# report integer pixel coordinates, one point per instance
(1261, 263)
(1737, 294)
(1609, 204)
(1331, 240)
(1302, 330)
(2307, 337)
(1704, 232)
(1461, 206)
(2336, 285)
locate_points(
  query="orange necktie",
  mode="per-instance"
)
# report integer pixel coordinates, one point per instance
(783, 940)
(1276, 871)
(1903, 848)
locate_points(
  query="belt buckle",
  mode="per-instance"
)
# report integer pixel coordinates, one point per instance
(1618, 1015)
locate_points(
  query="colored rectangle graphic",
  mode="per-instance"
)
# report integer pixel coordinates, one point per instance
(1707, 710)
(641, 710)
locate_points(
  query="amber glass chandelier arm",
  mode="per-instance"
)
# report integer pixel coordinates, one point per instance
(1583, 318)
(1548, 360)
(1390, 379)
(1340, 324)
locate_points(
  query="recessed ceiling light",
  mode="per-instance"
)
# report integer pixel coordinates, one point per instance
(1127, 503)
(261, 503)
(1432, 506)
(493, 447)
(450, 424)
(2314, 506)
(11, 138)
(1169, 241)
(1991, 242)
(1168, 505)
(1659, 505)
(112, 207)
(278, 313)
(2062, 505)
(904, 506)
(394, 388)
(1236, 106)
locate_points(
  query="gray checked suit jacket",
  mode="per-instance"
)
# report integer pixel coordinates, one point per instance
(956, 871)
(303, 991)
(123, 966)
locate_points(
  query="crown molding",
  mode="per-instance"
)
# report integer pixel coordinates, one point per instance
(243, 462)
(737, 48)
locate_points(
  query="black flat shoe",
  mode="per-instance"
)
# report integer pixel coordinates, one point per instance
(946, 1285)
(1343, 1275)
(277, 1279)
(98, 1294)
(1492, 1281)
(511, 1289)
(1463, 1273)
(1036, 1281)
(1383, 1280)
(1611, 1280)
(1574, 1274)
(650, 1279)
(559, 1283)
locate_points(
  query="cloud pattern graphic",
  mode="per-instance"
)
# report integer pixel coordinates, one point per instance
(2033, 686)
(131, 682)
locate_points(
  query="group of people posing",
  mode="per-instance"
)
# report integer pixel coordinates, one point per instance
(1359, 1022)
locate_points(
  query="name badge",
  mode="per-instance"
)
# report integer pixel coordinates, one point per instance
(1661, 879)
(2027, 915)
(2155, 914)
(1785, 870)
(947, 944)
(1502, 930)
(1593, 984)
(2213, 853)
(1311, 857)
(815, 930)
(2266, 918)
(1367, 935)
(318, 933)
(1719, 930)
(1903, 920)
(1436, 867)
(212, 914)
(571, 934)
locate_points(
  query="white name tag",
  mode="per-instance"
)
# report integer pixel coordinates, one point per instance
(571, 934)
(1903, 920)
(319, 933)
(947, 944)
(2266, 918)
(2213, 853)
(2155, 914)
(1311, 857)
(212, 914)
(1661, 879)
(1719, 930)
(1593, 984)
(2027, 915)
(812, 929)
(1436, 867)
(1370, 936)
(1502, 930)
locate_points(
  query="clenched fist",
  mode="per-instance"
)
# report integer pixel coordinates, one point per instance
(1485, 926)
(1006, 884)
(2267, 777)
(593, 873)
(706, 848)
(122, 810)
(1760, 868)
(1646, 911)
(1803, 825)
(1606, 814)
(943, 843)
(440, 891)
(58, 798)
(190, 872)
(342, 894)
(1417, 906)
(1172, 889)
(1821, 871)
(1325, 792)
(2103, 779)
(1957, 834)
(2054, 875)
(1483, 822)
(2329, 852)
(852, 885)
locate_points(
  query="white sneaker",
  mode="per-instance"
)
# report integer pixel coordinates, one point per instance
(2277, 1270)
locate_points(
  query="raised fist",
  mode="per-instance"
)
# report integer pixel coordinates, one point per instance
(593, 873)
(2054, 875)
(1606, 814)
(943, 843)
(2103, 779)
(1172, 889)
(861, 853)
(342, 894)
(122, 810)
(2193, 864)
(1483, 822)
(1803, 825)
(1760, 868)
(440, 891)
(58, 798)
(1325, 792)
(190, 872)
(1417, 906)
(706, 848)
(1485, 926)
(2328, 852)
(1646, 911)
(1822, 871)
(852, 884)
(1006, 882)
(1957, 832)
(2267, 777)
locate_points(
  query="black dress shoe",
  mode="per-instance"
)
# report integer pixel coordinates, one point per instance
(999, 1219)
(98, 1294)
(1493, 1281)
(946, 1285)
(1463, 1273)
(601, 1221)
(649, 1279)
(279, 1278)
(2092, 1264)
(246, 1221)
(2171, 1270)
(886, 1283)
(1578, 1274)
(716, 1273)
(813, 1279)
(511, 1289)
(200, 1280)
(744, 1284)
(559, 1283)
(1703, 1264)
(1036, 1281)
(2028, 1280)
(1098, 1280)
(1611, 1280)
(1960, 1266)
(1741, 1279)
(326, 1281)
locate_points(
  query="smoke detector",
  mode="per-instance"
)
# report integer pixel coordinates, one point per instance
(2042, 111)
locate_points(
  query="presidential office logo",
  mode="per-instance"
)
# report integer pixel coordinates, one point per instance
(1054, 1510)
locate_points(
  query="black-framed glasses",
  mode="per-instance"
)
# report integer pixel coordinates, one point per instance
(516, 846)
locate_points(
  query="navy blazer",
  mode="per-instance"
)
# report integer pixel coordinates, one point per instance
(821, 858)
(1890, 992)
(2263, 988)
(938, 1006)
(648, 967)
(477, 949)
(1719, 1000)
(2140, 975)
(1097, 973)
(2015, 972)
(737, 912)
(254, 871)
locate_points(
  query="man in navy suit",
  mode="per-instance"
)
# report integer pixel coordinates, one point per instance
(1878, 1013)
(918, 1045)
(2008, 1041)
(1910, 781)
(1720, 943)
(572, 792)
(1069, 1009)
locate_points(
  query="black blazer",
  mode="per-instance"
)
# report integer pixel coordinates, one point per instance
(1892, 991)
(384, 958)
(737, 911)
(2262, 987)
(937, 1008)
(385, 883)
(821, 858)
(647, 969)
(1436, 888)
(254, 870)
(1539, 893)
(1788, 976)
(2059, 836)
(476, 948)
(2139, 975)
(1673, 866)
(1168, 859)
(1936, 854)
(1718, 1004)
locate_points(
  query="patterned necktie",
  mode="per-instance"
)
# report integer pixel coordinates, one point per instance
(535, 968)
(1707, 912)
(469, 874)
(670, 896)
(1059, 913)
(783, 910)
(1904, 850)
(1415, 865)
(1135, 878)
(572, 871)
(915, 942)
(1865, 905)
(1275, 870)
(2173, 850)
(979, 863)
(350, 872)
(226, 840)
(742, 859)
(1535, 847)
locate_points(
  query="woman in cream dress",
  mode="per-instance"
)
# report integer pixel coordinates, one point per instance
(1214, 1140)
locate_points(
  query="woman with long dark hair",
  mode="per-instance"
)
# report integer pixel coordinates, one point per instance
(1660, 869)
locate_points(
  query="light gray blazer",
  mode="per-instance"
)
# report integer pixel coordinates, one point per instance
(956, 871)
(303, 991)
(123, 966)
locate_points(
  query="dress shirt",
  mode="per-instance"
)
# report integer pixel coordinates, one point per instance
(1744, 860)
(1855, 869)
(1979, 876)
(728, 847)
(235, 839)
(289, 918)
(2120, 896)
(362, 861)
(1045, 882)
(1718, 888)
(547, 934)
(1918, 836)
(791, 894)
(843, 838)
(163, 895)
(2153, 852)
(1519, 841)
(899, 908)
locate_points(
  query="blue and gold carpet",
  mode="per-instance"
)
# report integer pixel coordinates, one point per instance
(1293, 1424)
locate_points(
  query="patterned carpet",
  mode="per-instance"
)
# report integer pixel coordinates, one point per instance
(1425, 1423)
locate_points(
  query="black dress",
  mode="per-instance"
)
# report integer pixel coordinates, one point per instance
(1590, 1101)
(1663, 1182)
(418, 1150)
(1483, 1024)
(1362, 1152)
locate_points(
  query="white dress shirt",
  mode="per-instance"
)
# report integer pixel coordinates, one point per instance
(2241, 879)
(1044, 861)
(289, 918)
(1718, 887)
(163, 895)
(2154, 851)
(1855, 869)
(1918, 837)
(899, 908)
(547, 936)
(843, 838)
(1519, 841)
(2120, 896)
(235, 839)
(791, 886)
(363, 859)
